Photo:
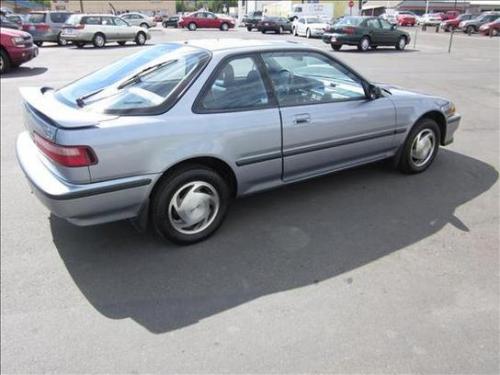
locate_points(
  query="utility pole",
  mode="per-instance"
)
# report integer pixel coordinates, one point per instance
(427, 6)
(81, 6)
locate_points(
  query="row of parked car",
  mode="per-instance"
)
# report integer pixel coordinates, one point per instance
(485, 22)
(22, 34)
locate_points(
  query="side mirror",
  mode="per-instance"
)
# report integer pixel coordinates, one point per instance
(394, 27)
(374, 92)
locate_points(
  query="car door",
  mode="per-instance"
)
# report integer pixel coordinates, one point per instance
(123, 30)
(211, 20)
(108, 28)
(389, 33)
(301, 26)
(237, 105)
(375, 31)
(328, 122)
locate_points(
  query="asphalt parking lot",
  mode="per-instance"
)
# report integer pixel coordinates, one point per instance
(364, 271)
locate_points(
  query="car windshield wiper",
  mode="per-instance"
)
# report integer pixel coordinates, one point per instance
(137, 77)
(81, 100)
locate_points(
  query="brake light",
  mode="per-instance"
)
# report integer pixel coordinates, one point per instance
(42, 27)
(67, 156)
(349, 30)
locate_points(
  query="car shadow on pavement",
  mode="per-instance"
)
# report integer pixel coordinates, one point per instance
(271, 242)
(379, 50)
(24, 71)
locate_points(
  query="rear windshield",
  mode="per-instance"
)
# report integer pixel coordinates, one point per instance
(36, 18)
(355, 21)
(142, 83)
(59, 17)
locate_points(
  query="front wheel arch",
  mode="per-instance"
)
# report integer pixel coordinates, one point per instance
(440, 120)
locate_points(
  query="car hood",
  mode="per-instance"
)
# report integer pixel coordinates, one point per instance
(13, 32)
(399, 92)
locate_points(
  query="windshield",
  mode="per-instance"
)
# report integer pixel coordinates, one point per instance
(313, 20)
(141, 81)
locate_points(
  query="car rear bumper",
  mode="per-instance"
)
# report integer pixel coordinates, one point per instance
(451, 127)
(21, 55)
(82, 204)
(332, 38)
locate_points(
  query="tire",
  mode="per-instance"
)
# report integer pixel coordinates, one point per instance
(374, 47)
(401, 44)
(308, 34)
(211, 201)
(364, 44)
(494, 32)
(140, 38)
(280, 30)
(192, 26)
(38, 44)
(79, 44)
(144, 25)
(336, 47)
(263, 31)
(470, 29)
(249, 28)
(5, 64)
(224, 27)
(294, 31)
(411, 159)
(61, 41)
(99, 40)
(164, 24)
(121, 43)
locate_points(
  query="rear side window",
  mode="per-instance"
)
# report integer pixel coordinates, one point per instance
(373, 23)
(59, 17)
(237, 86)
(145, 83)
(91, 20)
(36, 18)
(73, 20)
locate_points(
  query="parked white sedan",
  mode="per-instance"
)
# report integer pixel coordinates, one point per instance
(309, 27)
(139, 19)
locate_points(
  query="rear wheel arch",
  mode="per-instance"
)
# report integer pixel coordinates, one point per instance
(217, 165)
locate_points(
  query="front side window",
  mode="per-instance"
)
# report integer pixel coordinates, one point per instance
(385, 25)
(139, 83)
(238, 85)
(302, 78)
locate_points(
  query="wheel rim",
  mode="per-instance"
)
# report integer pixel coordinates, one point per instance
(99, 41)
(402, 43)
(141, 38)
(193, 207)
(224, 27)
(308, 33)
(365, 44)
(62, 41)
(281, 29)
(423, 147)
(1, 64)
(192, 27)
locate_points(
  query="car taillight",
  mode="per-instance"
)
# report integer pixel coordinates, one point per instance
(42, 27)
(349, 30)
(67, 156)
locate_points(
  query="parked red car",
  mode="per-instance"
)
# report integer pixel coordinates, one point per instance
(197, 20)
(450, 24)
(16, 48)
(492, 27)
(406, 19)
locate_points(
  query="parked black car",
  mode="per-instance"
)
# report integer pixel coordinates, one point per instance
(252, 19)
(365, 33)
(171, 21)
(277, 24)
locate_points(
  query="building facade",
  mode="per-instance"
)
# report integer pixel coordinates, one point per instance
(88, 6)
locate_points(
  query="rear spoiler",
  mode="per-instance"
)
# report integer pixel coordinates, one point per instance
(42, 100)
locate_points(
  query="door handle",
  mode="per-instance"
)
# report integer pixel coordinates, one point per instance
(304, 118)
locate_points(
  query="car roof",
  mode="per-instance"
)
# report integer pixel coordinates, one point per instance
(244, 45)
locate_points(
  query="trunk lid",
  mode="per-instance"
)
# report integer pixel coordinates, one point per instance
(45, 114)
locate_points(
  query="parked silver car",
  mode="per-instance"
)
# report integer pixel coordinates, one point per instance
(139, 19)
(173, 133)
(99, 29)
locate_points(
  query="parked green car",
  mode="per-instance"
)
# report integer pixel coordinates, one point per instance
(365, 33)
